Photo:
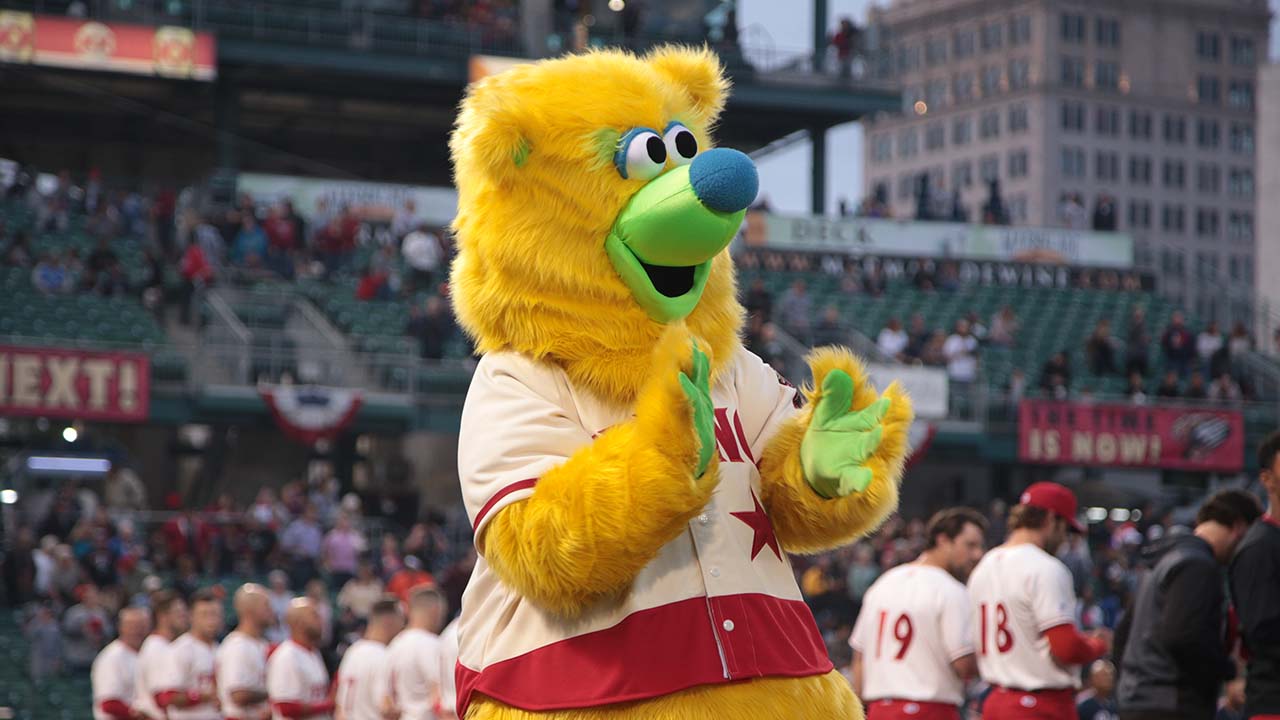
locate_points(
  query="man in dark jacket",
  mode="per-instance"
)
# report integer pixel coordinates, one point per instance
(1174, 659)
(1255, 588)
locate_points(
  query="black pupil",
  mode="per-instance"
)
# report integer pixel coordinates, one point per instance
(657, 150)
(686, 145)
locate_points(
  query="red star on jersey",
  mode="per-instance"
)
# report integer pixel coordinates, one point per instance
(760, 525)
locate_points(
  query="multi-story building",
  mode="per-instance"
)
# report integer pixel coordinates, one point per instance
(1267, 279)
(1150, 102)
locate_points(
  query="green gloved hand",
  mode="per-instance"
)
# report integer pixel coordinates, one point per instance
(698, 391)
(839, 440)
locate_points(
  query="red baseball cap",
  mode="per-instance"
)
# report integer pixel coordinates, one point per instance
(1056, 499)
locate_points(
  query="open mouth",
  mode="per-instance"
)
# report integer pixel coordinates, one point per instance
(670, 281)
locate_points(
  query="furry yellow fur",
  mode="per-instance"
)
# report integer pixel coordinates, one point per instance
(806, 522)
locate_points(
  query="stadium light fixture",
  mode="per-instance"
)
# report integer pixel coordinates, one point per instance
(617, 5)
(1096, 514)
(8, 496)
(56, 463)
(1119, 515)
(70, 434)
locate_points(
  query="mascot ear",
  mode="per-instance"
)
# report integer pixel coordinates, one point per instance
(696, 71)
(488, 138)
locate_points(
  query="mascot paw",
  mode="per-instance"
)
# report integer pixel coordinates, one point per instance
(676, 404)
(841, 438)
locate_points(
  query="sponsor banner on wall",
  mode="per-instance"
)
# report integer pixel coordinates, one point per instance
(1131, 436)
(926, 386)
(74, 384)
(165, 51)
(870, 236)
(371, 202)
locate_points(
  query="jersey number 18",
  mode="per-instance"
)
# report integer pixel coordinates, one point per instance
(1004, 638)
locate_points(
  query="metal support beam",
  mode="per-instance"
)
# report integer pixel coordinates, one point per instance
(818, 167)
(820, 13)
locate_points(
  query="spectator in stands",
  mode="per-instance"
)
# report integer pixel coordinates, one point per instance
(828, 331)
(65, 576)
(1232, 704)
(18, 252)
(410, 576)
(1168, 387)
(846, 40)
(1208, 342)
(892, 340)
(917, 337)
(1097, 701)
(961, 352)
(1136, 392)
(1055, 376)
(422, 254)
(318, 593)
(1196, 389)
(1177, 344)
(86, 627)
(301, 541)
(1071, 211)
(374, 284)
(1239, 343)
(1104, 213)
(50, 276)
(110, 282)
(279, 595)
(1136, 344)
(1017, 388)
(282, 242)
(340, 549)
(934, 353)
(360, 592)
(46, 645)
(1099, 351)
(794, 311)
(405, 220)
(924, 278)
(759, 302)
(1004, 327)
(250, 246)
(1225, 390)
(162, 211)
(432, 325)
(862, 573)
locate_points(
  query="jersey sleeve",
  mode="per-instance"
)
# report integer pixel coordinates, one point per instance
(957, 624)
(236, 668)
(766, 400)
(285, 682)
(1052, 597)
(863, 627)
(108, 680)
(517, 423)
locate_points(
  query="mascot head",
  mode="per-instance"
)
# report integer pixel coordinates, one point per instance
(593, 211)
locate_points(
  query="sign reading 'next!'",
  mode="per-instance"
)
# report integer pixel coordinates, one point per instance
(74, 384)
(1118, 435)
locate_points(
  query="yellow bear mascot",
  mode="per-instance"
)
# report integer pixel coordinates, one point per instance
(635, 477)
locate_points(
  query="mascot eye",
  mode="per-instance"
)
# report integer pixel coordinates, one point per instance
(641, 156)
(681, 144)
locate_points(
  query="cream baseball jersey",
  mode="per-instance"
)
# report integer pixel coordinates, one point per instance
(362, 681)
(242, 665)
(113, 677)
(915, 620)
(189, 666)
(448, 665)
(151, 660)
(1018, 592)
(296, 674)
(414, 673)
(722, 592)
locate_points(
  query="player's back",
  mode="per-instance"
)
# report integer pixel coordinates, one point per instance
(147, 675)
(1018, 592)
(914, 622)
(241, 665)
(362, 681)
(113, 677)
(413, 662)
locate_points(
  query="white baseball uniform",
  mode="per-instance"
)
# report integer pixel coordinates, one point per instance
(413, 661)
(362, 681)
(242, 665)
(114, 677)
(152, 657)
(915, 621)
(296, 674)
(448, 668)
(1018, 592)
(189, 666)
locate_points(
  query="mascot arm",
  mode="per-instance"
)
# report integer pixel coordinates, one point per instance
(823, 489)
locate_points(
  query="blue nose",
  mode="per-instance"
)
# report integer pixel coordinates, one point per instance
(724, 179)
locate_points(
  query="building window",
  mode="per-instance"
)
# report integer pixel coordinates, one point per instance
(1140, 125)
(991, 36)
(935, 136)
(907, 143)
(990, 80)
(1140, 170)
(1175, 129)
(1108, 120)
(1208, 90)
(1208, 178)
(935, 94)
(1206, 222)
(1107, 32)
(1018, 208)
(1073, 28)
(1240, 227)
(1018, 163)
(962, 87)
(962, 174)
(989, 125)
(1019, 30)
(961, 131)
(989, 167)
(1072, 71)
(1240, 183)
(908, 58)
(1240, 94)
(1106, 75)
(881, 148)
(1018, 120)
(1019, 74)
(935, 51)
(1208, 133)
(1073, 165)
(1139, 214)
(1242, 138)
(1106, 166)
(906, 186)
(1242, 51)
(1207, 46)
(1173, 218)
(1072, 116)
(962, 44)
(1174, 173)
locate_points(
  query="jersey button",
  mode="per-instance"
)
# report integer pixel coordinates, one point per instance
(728, 626)
(703, 519)
(715, 572)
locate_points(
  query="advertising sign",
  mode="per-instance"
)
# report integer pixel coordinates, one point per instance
(74, 384)
(166, 51)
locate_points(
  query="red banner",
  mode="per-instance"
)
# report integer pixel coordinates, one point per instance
(167, 51)
(74, 384)
(1135, 436)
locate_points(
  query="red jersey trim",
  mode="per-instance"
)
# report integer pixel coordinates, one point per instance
(513, 487)
(1271, 520)
(629, 661)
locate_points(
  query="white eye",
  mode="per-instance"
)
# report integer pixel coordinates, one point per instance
(682, 146)
(642, 155)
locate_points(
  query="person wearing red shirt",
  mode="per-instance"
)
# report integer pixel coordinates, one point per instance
(408, 578)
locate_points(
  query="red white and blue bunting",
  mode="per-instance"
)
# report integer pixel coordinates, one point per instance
(310, 413)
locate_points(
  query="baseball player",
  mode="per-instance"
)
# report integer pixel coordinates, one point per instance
(172, 620)
(297, 681)
(913, 642)
(1029, 649)
(114, 670)
(364, 690)
(413, 658)
(187, 685)
(242, 657)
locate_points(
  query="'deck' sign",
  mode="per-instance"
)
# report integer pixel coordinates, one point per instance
(74, 384)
